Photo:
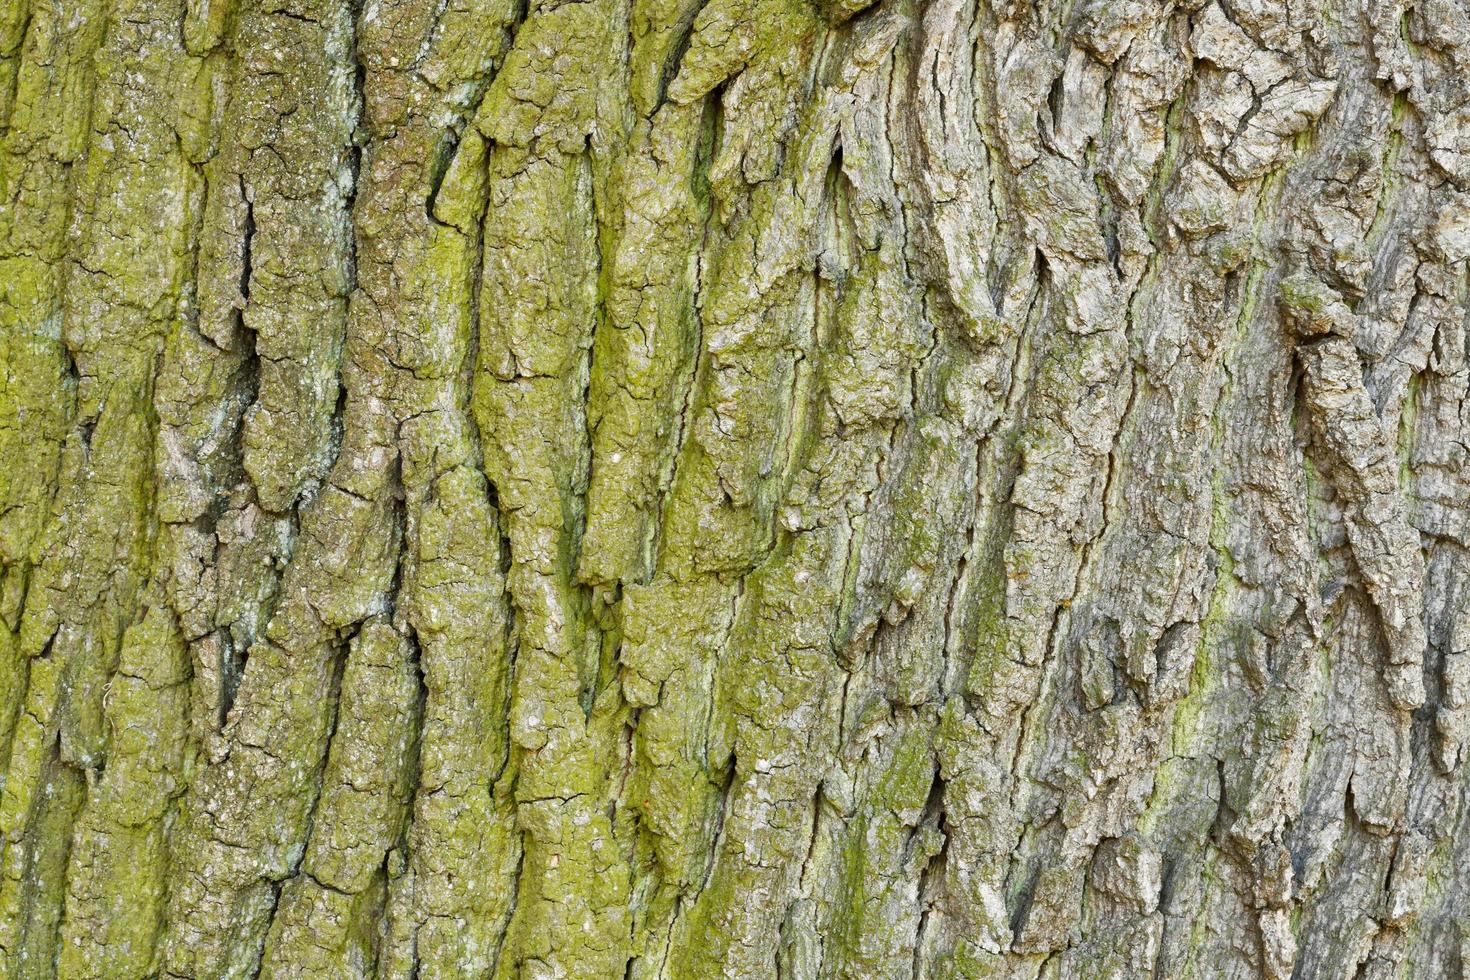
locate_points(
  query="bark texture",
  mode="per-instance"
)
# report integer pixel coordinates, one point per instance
(734, 488)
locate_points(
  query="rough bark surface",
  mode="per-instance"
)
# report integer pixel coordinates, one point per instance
(752, 488)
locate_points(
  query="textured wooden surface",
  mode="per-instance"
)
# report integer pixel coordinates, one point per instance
(649, 489)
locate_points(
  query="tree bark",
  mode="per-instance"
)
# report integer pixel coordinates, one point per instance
(748, 488)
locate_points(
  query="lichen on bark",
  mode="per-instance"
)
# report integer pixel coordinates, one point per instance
(753, 488)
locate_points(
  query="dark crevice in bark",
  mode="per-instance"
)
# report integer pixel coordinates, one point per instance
(332, 699)
(510, 913)
(17, 53)
(684, 31)
(687, 900)
(1224, 814)
(691, 376)
(1021, 902)
(930, 884)
(247, 241)
(232, 661)
(452, 136)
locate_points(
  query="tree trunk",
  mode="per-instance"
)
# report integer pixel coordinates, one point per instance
(745, 488)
